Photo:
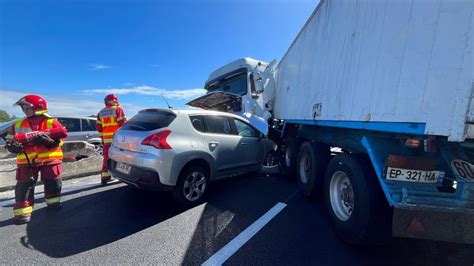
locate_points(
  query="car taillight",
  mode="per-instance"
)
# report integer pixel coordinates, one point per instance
(158, 140)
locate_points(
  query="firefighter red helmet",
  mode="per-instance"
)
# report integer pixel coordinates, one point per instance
(34, 101)
(111, 99)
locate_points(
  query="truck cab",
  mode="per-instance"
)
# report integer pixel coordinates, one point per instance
(245, 87)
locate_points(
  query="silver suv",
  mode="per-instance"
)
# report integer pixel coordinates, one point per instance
(183, 150)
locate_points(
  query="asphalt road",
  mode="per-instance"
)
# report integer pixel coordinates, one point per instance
(120, 225)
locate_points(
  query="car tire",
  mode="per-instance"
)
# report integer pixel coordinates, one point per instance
(358, 210)
(312, 161)
(290, 155)
(192, 186)
(271, 164)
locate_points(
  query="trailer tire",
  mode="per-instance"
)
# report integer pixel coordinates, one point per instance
(290, 156)
(358, 210)
(312, 161)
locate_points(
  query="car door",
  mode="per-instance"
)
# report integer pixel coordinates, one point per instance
(73, 127)
(222, 144)
(251, 145)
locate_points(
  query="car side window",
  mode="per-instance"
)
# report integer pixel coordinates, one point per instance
(86, 126)
(245, 130)
(198, 123)
(92, 122)
(71, 124)
(218, 125)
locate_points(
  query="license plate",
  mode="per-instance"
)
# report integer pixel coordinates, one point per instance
(124, 168)
(410, 175)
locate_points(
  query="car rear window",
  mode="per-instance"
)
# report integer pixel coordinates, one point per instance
(149, 120)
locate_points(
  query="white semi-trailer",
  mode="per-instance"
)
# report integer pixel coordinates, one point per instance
(389, 83)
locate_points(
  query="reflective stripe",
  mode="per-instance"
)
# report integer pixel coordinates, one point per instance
(109, 124)
(107, 140)
(23, 156)
(19, 122)
(22, 126)
(49, 123)
(23, 211)
(107, 133)
(121, 118)
(99, 122)
(105, 174)
(41, 112)
(52, 200)
(50, 154)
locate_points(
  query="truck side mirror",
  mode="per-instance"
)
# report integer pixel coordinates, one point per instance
(259, 85)
(256, 85)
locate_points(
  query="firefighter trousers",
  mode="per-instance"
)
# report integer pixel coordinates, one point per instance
(105, 175)
(26, 178)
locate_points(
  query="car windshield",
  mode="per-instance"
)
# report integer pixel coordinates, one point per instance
(236, 84)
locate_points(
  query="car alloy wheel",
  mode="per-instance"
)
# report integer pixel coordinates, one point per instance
(195, 185)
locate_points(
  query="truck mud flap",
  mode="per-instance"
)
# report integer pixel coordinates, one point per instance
(434, 223)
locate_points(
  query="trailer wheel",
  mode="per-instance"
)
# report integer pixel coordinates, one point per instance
(290, 155)
(313, 159)
(354, 202)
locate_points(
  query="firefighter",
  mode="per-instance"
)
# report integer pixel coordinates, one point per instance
(37, 141)
(109, 120)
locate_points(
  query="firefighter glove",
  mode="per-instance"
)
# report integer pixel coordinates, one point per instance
(53, 144)
(13, 147)
(43, 139)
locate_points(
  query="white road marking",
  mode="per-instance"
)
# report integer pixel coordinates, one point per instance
(228, 250)
(40, 195)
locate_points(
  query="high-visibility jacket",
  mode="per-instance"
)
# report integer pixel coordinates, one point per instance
(109, 120)
(37, 154)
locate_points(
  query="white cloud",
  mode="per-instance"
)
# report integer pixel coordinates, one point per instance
(148, 90)
(60, 105)
(98, 66)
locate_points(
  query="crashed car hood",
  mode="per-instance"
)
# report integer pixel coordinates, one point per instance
(213, 100)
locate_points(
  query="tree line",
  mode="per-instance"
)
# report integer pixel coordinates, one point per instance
(5, 117)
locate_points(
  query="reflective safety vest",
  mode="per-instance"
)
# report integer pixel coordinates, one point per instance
(37, 154)
(109, 121)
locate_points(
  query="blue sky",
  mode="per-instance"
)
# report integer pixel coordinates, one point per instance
(74, 52)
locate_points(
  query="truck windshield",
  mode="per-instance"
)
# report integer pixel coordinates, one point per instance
(236, 84)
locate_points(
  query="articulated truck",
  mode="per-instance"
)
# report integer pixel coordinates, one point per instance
(372, 108)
